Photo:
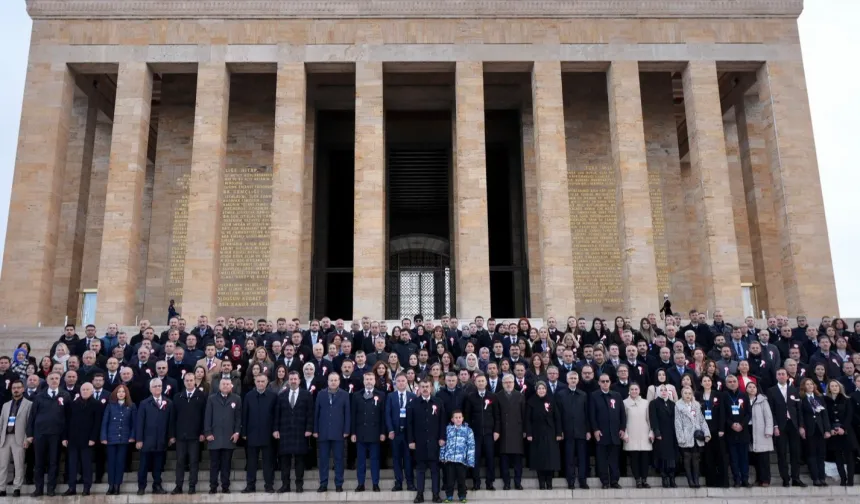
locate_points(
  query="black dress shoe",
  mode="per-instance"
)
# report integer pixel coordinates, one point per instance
(300, 487)
(322, 489)
(418, 499)
(192, 490)
(248, 489)
(376, 488)
(645, 483)
(583, 485)
(158, 490)
(359, 488)
(68, 493)
(518, 486)
(397, 488)
(437, 499)
(86, 492)
(37, 493)
(746, 484)
(786, 483)
(213, 491)
(605, 486)
(225, 490)
(476, 486)
(507, 486)
(798, 483)
(269, 490)
(16, 493)
(3, 493)
(338, 489)
(571, 486)
(411, 488)
(490, 487)
(284, 489)
(177, 490)
(615, 486)
(51, 493)
(141, 491)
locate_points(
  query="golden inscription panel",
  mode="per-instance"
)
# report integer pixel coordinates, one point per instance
(245, 222)
(661, 252)
(596, 250)
(178, 241)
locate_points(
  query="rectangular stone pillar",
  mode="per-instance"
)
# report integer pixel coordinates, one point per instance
(710, 171)
(369, 245)
(208, 162)
(96, 205)
(119, 266)
(530, 192)
(307, 251)
(552, 190)
(73, 212)
(759, 192)
(807, 266)
(288, 170)
(34, 209)
(635, 228)
(471, 240)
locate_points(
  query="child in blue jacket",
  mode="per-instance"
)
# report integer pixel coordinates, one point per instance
(457, 454)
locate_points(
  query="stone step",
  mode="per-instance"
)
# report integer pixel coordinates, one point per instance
(628, 495)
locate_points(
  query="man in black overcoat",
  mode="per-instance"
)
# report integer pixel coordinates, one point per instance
(609, 421)
(294, 424)
(573, 405)
(154, 433)
(258, 424)
(190, 406)
(48, 417)
(512, 432)
(481, 412)
(368, 429)
(426, 423)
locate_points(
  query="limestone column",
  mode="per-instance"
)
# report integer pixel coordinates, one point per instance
(807, 266)
(556, 250)
(119, 266)
(288, 170)
(710, 171)
(471, 240)
(759, 193)
(635, 227)
(532, 220)
(208, 162)
(369, 243)
(31, 236)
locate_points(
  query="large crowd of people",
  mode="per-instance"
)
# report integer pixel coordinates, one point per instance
(449, 399)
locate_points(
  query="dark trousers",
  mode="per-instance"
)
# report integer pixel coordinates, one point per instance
(363, 451)
(99, 457)
(252, 453)
(80, 459)
(484, 446)
(116, 463)
(843, 458)
(639, 463)
(150, 461)
(421, 467)
(286, 460)
(787, 446)
(575, 458)
(219, 464)
(714, 469)
(29, 463)
(47, 455)
(762, 467)
(332, 449)
(403, 459)
(187, 453)
(508, 460)
(456, 472)
(739, 460)
(815, 455)
(607, 463)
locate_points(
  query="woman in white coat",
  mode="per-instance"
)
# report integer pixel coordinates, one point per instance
(638, 436)
(688, 420)
(761, 433)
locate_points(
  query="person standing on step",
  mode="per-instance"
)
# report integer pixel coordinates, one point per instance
(543, 433)
(190, 407)
(738, 419)
(481, 412)
(609, 421)
(222, 424)
(395, 422)
(426, 420)
(45, 426)
(118, 431)
(331, 428)
(81, 435)
(457, 455)
(294, 423)
(368, 429)
(784, 400)
(13, 438)
(154, 434)
(258, 426)
(661, 416)
(512, 410)
(692, 433)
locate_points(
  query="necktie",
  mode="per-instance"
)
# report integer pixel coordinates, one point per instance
(52, 394)
(209, 363)
(97, 395)
(292, 398)
(402, 402)
(552, 387)
(189, 395)
(739, 350)
(482, 395)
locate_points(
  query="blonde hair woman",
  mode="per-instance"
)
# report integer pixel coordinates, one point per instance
(689, 421)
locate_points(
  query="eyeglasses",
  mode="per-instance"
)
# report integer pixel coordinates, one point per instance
(604, 381)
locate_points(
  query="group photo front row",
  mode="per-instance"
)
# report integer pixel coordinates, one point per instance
(464, 403)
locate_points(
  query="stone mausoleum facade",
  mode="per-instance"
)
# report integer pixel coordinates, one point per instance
(390, 157)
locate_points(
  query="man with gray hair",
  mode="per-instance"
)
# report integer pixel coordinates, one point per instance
(153, 433)
(222, 424)
(512, 408)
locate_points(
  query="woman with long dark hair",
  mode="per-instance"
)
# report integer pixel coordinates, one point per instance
(597, 334)
(117, 433)
(842, 443)
(816, 429)
(712, 403)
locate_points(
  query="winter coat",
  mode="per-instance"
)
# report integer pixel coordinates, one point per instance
(762, 425)
(841, 414)
(689, 419)
(638, 425)
(118, 423)
(425, 426)
(84, 424)
(460, 445)
(222, 419)
(512, 416)
(662, 416)
(543, 425)
(153, 424)
(258, 417)
(292, 422)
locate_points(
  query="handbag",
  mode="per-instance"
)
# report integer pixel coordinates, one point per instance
(699, 435)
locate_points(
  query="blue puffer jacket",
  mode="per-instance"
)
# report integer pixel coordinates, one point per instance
(460, 446)
(118, 423)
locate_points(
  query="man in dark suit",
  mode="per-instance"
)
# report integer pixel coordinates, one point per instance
(395, 422)
(331, 427)
(784, 401)
(573, 409)
(81, 435)
(740, 347)
(45, 426)
(451, 395)
(426, 421)
(512, 406)
(609, 421)
(222, 426)
(190, 406)
(678, 370)
(738, 420)
(154, 433)
(258, 424)
(368, 429)
(294, 421)
(481, 412)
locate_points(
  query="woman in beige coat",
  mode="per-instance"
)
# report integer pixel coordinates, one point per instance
(638, 436)
(761, 433)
